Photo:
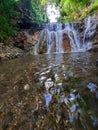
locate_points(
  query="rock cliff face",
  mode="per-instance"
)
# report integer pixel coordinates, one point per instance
(27, 41)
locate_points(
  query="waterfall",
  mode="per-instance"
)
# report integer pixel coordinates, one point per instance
(87, 23)
(60, 38)
(90, 27)
(87, 44)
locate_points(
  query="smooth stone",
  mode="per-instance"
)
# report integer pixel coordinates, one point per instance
(27, 87)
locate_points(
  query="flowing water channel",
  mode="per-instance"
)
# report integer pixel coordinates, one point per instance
(49, 92)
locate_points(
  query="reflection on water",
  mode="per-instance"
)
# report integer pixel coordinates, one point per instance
(48, 98)
(92, 87)
(49, 92)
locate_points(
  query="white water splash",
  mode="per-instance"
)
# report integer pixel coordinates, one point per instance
(53, 12)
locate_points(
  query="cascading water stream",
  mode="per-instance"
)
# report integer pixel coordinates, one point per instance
(90, 27)
(60, 38)
(88, 24)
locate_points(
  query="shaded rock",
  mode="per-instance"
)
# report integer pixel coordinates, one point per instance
(9, 52)
(21, 40)
(94, 48)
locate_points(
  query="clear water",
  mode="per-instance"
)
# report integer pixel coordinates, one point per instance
(49, 92)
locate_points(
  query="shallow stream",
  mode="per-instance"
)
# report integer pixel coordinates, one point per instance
(49, 92)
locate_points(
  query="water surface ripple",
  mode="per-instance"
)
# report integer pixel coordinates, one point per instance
(49, 92)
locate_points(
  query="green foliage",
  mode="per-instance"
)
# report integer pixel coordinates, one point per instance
(71, 10)
(76, 10)
(94, 8)
(7, 14)
(39, 11)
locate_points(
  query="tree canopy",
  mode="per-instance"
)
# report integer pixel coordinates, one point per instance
(7, 12)
(76, 10)
(9, 15)
(70, 10)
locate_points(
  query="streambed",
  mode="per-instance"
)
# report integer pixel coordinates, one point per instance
(49, 92)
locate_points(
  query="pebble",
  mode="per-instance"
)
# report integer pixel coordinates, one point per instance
(27, 87)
